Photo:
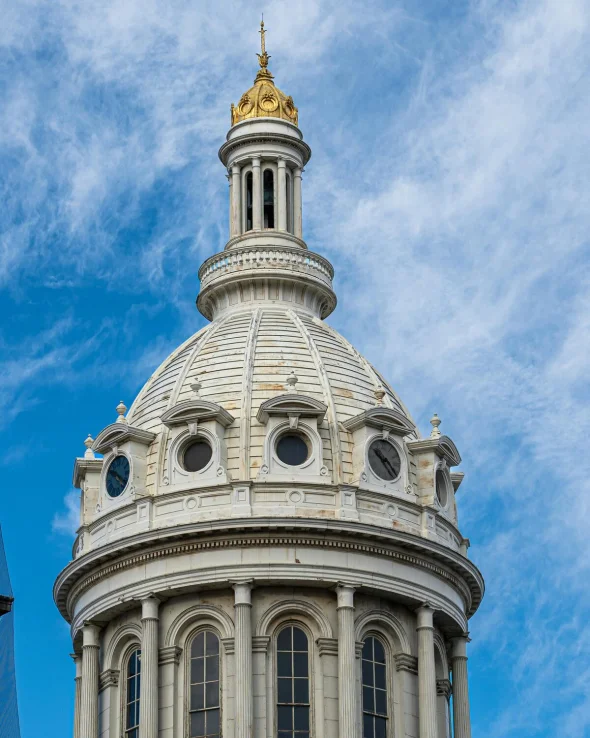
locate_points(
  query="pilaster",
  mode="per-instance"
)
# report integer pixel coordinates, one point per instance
(148, 705)
(243, 658)
(426, 673)
(346, 661)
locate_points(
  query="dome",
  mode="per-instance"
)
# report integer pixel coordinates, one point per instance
(264, 99)
(245, 358)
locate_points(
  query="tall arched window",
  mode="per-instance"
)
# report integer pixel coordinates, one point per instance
(374, 689)
(249, 216)
(204, 710)
(292, 683)
(132, 685)
(289, 209)
(269, 198)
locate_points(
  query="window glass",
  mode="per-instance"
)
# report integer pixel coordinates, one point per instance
(292, 449)
(132, 695)
(269, 198)
(196, 456)
(374, 680)
(289, 210)
(249, 201)
(204, 711)
(293, 684)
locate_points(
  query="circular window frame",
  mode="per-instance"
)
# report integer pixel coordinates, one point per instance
(442, 474)
(304, 437)
(106, 467)
(380, 480)
(184, 445)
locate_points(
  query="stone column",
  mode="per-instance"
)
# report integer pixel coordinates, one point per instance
(426, 673)
(236, 201)
(346, 662)
(282, 195)
(256, 195)
(89, 692)
(297, 204)
(148, 703)
(243, 658)
(78, 682)
(461, 718)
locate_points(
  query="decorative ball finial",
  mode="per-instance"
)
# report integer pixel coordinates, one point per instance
(292, 380)
(121, 410)
(435, 422)
(379, 395)
(196, 387)
(89, 453)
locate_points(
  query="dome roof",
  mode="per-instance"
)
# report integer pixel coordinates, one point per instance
(244, 358)
(264, 99)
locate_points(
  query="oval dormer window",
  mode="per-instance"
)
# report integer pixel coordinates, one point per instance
(292, 449)
(196, 456)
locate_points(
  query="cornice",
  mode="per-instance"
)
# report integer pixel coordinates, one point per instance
(230, 146)
(90, 568)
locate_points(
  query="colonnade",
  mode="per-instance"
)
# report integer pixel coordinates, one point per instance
(87, 671)
(237, 197)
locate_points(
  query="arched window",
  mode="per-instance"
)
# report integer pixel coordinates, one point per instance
(204, 710)
(132, 685)
(269, 198)
(374, 689)
(249, 216)
(292, 683)
(289, 209)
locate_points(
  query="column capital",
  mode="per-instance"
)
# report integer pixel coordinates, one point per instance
(255, 161)
(281, 162)
(298, 171)
(77, 657)
(235, 169)
(243, 593)
(425, 614)
(345, 594)
(459, 646)
(90, 633)
(150, 605)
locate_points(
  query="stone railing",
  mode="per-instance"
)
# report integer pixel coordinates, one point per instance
(297, 261)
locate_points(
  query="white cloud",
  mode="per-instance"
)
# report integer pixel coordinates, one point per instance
(67, 521)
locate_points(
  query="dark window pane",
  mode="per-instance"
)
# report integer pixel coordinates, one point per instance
(299, 640)
(268, 199)
(368, 649)
(284, 640)
(301, 691)
(131, 691)
(197, 670)
(292, 449)
(285, 695)
(212, 694)
(367, 673)
(381, 702)
(300, 664)
(198, 697)
(284, 664)
(197, 724)
(198, 647)
(379, 652)
(285, 718)
(196, 456)
(380, 727)
(380, 676)
(212, 668)
(368, 699)
(212, 722)
(212, 644)
(301, 719)
(368, 730)
(285, 734)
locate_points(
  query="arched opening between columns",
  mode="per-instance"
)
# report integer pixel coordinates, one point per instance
(268, 198)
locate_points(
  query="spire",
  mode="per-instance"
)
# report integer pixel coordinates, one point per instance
(263, 57)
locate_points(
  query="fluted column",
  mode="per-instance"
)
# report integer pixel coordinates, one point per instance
(282, 184)
(243, 658)
(461, 717)
(148, 703)
(236, 201)
(78, 682)
(426, 673)
(256, 195)
(346, 662)
(297, 204)
(89, 692)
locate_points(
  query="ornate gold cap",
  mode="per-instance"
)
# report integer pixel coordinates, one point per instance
(264, 99)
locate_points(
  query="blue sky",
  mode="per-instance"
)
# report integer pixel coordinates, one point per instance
(450, 187)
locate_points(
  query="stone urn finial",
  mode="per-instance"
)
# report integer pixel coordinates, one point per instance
(196, 387)
(379, 395)
(292, 380)
(89, 453)
(121, 410)
(435, 422)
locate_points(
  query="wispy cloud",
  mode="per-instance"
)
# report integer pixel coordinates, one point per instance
(67, 522)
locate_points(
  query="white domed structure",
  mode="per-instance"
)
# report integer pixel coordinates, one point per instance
(267, 547)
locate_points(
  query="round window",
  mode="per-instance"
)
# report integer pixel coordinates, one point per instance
(196, 456)
(441, 488)
(117, 476)
(384, 460)
(292, 449)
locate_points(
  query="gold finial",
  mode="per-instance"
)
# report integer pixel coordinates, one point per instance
(263, 57)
